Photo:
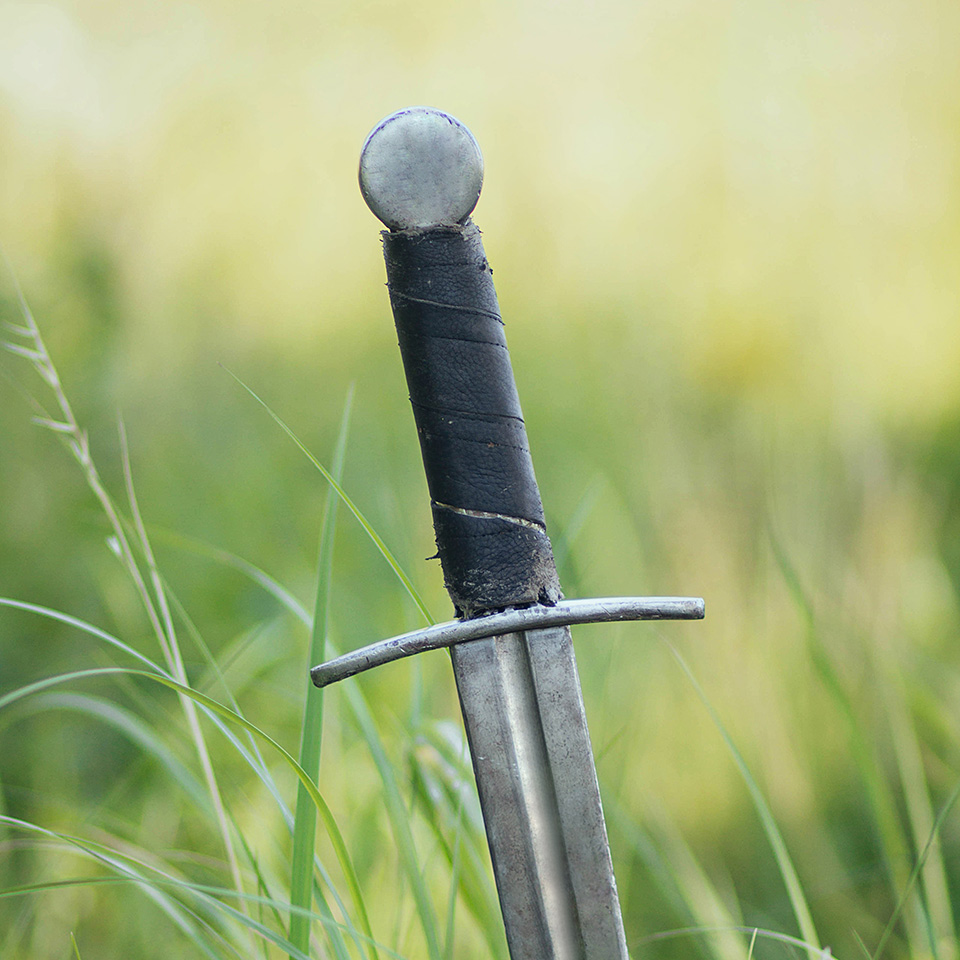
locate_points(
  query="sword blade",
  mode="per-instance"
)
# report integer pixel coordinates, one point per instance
(525, 723)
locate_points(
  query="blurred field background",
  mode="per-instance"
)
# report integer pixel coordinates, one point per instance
(726, 241)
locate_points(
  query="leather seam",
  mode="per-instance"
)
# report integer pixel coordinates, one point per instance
(472, 416)
(445, 306)
(486, 515)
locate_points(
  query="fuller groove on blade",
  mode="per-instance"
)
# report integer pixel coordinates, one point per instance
(523, 713)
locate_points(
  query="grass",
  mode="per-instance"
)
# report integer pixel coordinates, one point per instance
(153, 594)
(196, 831)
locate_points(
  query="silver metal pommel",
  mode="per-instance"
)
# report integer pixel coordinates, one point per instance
(420, 168)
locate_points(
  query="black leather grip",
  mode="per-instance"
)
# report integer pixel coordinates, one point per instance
(487, 514)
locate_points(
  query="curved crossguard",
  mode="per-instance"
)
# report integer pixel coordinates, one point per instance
(511, 648)
(565, 613)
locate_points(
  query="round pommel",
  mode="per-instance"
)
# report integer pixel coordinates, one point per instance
(420, 168)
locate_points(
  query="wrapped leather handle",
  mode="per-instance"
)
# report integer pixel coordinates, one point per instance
(487, 513)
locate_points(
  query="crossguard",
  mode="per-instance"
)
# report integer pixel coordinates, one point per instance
(562, 614)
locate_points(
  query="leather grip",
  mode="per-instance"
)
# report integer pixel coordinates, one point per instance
(488, 519)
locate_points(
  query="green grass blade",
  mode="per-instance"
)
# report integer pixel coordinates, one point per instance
(915, 873)
(269, 901)
(121, 870)
(861, 945)
(656, 868)
(176, 663)
(758, 933)
(83, 626)
(448, 937)
(702, 899)
(395, 807)
(937, 911)
(128, 725)
(127, 869)
(209, 896)
(788, 873)
(892, 839)
(326, 815)
(38, 686)
(252, 756)
(200, 548)
(251, 751)
(170, 894)
(360, 710)
(357, 702)
(350, 505)
(445, 796)
(253, 759)
(151, 885)
(139, 732)
(311, 731)
(398, 817)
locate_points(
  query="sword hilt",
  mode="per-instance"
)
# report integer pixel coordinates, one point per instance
(420, 173)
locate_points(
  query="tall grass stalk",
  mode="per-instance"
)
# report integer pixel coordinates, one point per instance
(479, 895)
(937, 910)
(798, 901)
(915, 873)
(393, 800)
(755, 933)
(445, 795)
(707, 907)
(311, 732)
(176, 663)
(214, 707)
(33, 348)
(128, 538)
(191, 906)
(894, 845)
(350, 505)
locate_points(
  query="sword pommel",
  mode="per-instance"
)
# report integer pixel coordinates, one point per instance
(420, 168)
(417, 166)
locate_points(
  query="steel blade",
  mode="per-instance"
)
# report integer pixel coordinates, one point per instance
(525, 723)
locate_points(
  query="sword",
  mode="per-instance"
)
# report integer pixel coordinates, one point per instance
(420, 173)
